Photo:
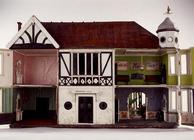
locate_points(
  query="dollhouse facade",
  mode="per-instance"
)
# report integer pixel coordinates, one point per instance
(95, 73)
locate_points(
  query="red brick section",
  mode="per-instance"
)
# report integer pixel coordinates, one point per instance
(101, 35)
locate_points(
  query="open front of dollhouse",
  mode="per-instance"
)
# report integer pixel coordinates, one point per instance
(34, 84)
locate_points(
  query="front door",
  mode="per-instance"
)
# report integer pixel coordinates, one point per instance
(85, 112)
(42, 107)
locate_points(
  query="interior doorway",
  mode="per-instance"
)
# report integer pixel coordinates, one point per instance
(85, 110)
(42, 107)
(136, 103)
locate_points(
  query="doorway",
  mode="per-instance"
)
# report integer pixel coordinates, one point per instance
(85, 110)
(42, 107)
(137, 105)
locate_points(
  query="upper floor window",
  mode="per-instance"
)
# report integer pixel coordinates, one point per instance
(172, 65)
(1, 63)
(85, 64)
(184, 64)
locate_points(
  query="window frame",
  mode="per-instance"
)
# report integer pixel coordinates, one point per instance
(187, 99)
(1, 64)
(170, 98)
(86, 63)
(170, 65)
(188, 64)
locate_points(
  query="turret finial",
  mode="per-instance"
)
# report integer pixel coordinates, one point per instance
(168, 11)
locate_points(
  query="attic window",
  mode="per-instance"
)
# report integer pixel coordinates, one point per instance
(1, 63)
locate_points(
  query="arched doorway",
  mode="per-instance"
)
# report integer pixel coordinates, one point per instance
(136, 103)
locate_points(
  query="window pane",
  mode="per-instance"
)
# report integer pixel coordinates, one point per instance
(1, 63)
(172, 64)
(74, 64)
(183, 64)
(81, 63)
(88, 64)
(184, 101)
(173, 100)
(95, 64)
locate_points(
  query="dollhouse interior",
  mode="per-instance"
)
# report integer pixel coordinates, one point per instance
(35, 81)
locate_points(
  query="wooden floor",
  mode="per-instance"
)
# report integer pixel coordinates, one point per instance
(122, 124)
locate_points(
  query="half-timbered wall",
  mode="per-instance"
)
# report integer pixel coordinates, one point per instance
(88, 68)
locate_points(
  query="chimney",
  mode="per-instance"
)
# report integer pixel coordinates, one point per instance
(19, 25)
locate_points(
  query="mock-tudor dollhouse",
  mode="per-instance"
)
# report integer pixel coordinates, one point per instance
(92, 73)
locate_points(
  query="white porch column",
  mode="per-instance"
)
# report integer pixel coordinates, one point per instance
(178, 69)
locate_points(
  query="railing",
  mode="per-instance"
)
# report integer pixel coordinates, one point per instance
(86, 81)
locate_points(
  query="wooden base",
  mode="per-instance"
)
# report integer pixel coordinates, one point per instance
(122, 124)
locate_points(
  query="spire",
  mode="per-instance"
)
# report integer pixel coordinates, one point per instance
(168, 11)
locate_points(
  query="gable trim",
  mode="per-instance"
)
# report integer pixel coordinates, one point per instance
(31, 21)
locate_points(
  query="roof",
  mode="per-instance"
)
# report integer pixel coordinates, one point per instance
(167, 25)
(72, 35)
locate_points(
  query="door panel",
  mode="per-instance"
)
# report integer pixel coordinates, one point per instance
(85, 112)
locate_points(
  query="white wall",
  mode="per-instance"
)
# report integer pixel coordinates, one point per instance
(6, 78)
(99, 94)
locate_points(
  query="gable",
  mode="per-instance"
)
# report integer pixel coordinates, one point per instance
(33, 36)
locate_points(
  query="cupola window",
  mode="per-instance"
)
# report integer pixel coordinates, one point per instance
(162, 39)
(176, 40)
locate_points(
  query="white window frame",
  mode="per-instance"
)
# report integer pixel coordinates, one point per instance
(184, 91)
(184, 63)
(172, 108)
(187, 103)
(1, 63)
(170, 65)
(187, 63)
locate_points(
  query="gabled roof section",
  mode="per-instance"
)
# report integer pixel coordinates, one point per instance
(32, 35)
(94, 35)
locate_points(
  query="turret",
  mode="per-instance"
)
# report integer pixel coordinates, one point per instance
(168, 33)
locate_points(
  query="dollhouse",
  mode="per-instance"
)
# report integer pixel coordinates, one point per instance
(91, 73)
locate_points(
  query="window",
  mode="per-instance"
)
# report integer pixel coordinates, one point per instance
(173, 100)
(74, 63)
(184, 64)
(172, 65)
(1, 63)
(85, 64)
(95, 64)
(162, 39)
(88, 63)
(81, 63)
(184, 100)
